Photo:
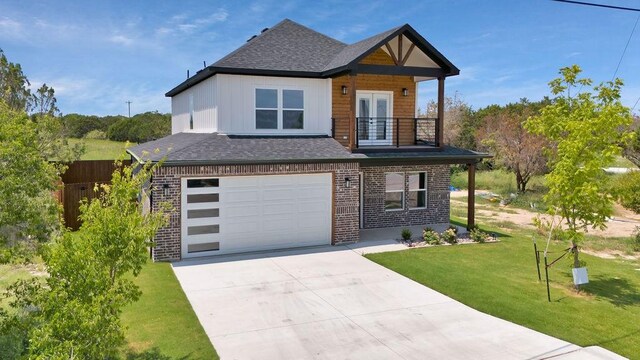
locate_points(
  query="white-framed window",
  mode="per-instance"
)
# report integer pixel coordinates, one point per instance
(279, 109)
(417, 197)
(266, 108)
(394, 191)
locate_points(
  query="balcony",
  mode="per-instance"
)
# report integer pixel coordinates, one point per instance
(371, 134)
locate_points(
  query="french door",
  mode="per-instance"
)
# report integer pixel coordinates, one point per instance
(373, 116)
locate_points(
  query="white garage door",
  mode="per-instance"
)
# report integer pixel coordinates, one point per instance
(248, 213)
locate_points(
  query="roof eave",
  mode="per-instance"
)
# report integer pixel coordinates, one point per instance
(213, 70)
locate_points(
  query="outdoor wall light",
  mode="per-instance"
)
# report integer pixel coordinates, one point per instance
(347, 182)
(405, 92)
(165, 189)
(344, 90)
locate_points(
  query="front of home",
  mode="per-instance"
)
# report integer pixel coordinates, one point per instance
(297, 139)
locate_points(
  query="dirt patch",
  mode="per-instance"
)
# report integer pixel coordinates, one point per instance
(617, 227)
(610, 254)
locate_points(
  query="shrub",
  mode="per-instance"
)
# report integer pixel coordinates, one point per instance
(406, 234)
(450, 236)
(430, 236)
(478, 235)
(627, 190)
(635, 239)
(96, 134)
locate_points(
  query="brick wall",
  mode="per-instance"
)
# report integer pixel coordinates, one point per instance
(345, 200)
(436, 212)
(403, 106)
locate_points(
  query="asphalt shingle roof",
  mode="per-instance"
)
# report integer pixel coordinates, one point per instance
(288, 46)
(198, 148)
(291, 49)
(184, 148)
(351, 52)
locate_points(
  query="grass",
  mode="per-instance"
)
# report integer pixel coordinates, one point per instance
(500, 279)
(162, 321)
(503, 183)
(100, 149)
(623, 162)
(10, 273)
(161, 325)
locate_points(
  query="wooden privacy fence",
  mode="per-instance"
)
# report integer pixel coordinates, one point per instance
(79, 182)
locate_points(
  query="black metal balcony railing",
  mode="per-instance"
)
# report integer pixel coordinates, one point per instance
(389, 132)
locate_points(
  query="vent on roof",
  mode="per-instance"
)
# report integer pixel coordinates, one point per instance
(253, 37)
(263, 30)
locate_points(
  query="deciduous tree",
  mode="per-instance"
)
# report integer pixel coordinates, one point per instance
(75, 314)
(511, 144)
(14, 85)
(585, 130)
(27, 180)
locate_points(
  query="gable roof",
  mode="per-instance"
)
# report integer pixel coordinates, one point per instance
(290, 49)
(288, 46)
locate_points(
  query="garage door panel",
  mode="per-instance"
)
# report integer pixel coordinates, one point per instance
(278, 181)
(241, 196)
(237, 182)
(277, 194)
(202, 221)
(263, 212)
(238, 211)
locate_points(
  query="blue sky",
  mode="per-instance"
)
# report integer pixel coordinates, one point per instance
(98, 54)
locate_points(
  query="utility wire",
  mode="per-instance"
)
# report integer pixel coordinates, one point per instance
(598, 5)
(625, 48)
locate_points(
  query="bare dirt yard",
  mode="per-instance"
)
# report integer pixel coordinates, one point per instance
(622, 224)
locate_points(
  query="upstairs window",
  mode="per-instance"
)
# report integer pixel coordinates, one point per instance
(292, 109)
(279, 109)
(266, 109)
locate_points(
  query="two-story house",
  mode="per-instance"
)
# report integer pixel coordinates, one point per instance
(297, 139)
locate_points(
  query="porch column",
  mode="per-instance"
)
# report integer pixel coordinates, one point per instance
(471, 202)
(352, 111)
(440, 121)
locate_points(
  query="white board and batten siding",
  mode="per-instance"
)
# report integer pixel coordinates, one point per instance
(226, 104)
(203, 95)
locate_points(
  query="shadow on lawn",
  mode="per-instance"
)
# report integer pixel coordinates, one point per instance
(152, 354)
(618, 291)
(498, 233)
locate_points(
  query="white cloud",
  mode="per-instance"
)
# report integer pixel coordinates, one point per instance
(121, 40)
(10, 27)
(354, 29)
(187, 25)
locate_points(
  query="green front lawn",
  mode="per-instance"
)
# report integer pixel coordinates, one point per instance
(500, 279)
(96, 149)
(162, 323)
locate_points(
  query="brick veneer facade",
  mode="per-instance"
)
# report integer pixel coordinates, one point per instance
(345, 200)
(436, 212)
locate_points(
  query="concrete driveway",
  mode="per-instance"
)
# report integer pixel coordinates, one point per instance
(332, 303)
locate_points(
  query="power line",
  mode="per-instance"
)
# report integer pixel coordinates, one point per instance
(625, 48)
(598, 5)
